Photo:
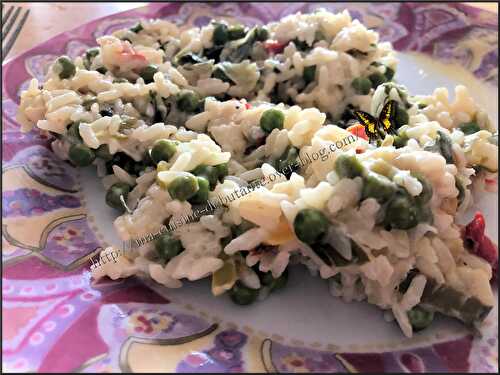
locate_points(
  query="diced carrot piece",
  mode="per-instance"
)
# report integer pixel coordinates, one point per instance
(358, 130)
(273, 46)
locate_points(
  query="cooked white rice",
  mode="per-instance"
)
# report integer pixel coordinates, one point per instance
(229, 131)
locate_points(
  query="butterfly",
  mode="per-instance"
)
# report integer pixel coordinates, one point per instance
(377, 128)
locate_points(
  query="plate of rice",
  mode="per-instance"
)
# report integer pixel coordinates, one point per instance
(254, 188)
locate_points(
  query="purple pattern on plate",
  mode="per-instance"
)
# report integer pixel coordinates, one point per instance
(152, 322)
(57, 305)
(9, 112)
(225, 356)
(437, 357)
(27, 202)
(143, 320)
(43, 166)
(11, 254)
(291, 359)
(13, 139)
(488, 65)
(77, 48)
(70, 241)
(38, 65)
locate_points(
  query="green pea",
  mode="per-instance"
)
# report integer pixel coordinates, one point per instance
(426, 194)
(401, 212)
(220, 35)
(424, 213)
(183, 187)
(356, 53)
(445, 146)
(188, 101)
(348, 166)
(219, 74)
(300, 44)
(272, 119)
(309, 74)
(469, 127)
(102, 70)
(148, 72)
(318, 35)
(242, 295)
(147, 159)
(287, 163)
(405, 284)
(106, 112)
(420, 318)
(335, 256)
(73, 133)
(274, 284)
(90, 54)
(189, 58)
(66, 67)
(389, 73)
(168, 247)
(201, 195)
(358, 253)
(377, 79)
(378, 186)
(163, 149)
(81, 155)
(401, 116)
(361, 85)
(236, 32)
(209, 172)
(329, 255)
(137, 28)
(222, 171)
(310, 225)
(131, 166)
(266, 278)
(400, 140)
(102, 152)
(114, 193)
(261, 34)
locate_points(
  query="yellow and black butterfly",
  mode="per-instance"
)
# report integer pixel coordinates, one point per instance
(378, 128)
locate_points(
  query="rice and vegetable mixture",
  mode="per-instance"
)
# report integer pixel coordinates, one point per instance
(173, 119)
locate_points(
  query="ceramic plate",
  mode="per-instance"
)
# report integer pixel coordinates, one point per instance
(56, 319)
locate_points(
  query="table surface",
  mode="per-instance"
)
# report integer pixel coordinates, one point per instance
(47, 20)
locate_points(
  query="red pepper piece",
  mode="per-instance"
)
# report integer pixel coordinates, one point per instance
(274, 47)
(476, 241)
